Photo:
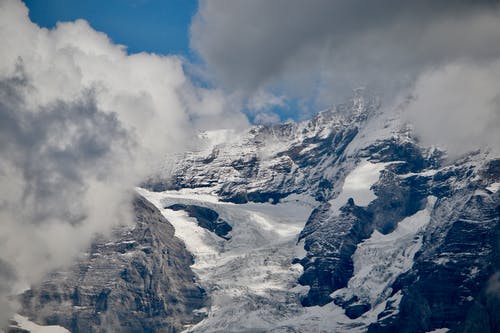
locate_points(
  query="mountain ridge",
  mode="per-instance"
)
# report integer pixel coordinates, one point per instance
(363, 189)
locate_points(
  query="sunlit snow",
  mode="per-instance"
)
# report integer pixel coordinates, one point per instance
(250, 278)
(380, 259)
(25, 323)
(357, 185)
(493, 187)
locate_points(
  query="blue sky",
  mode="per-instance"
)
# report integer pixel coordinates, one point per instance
(157, 26)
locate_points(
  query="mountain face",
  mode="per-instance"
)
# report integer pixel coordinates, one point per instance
(343, 223)
(138, 280)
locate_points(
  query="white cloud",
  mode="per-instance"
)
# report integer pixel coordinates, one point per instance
(266, 118)
(81, 123)
(320, 50)
(458, 107)
(264, 101)
(316, 52)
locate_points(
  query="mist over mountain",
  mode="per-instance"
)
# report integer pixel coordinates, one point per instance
(158, 193)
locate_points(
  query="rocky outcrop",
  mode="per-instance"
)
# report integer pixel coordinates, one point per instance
(328, 265)
(448, 283)
(331, 239)
(139, 280)
(207, 218)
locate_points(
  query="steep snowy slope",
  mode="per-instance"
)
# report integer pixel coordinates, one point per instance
(271, 162)
(250, 278)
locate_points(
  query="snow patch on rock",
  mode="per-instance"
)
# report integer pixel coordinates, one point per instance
(493, 187)
(26, 324)
(380, 259)
(439, 330)
(358, 184)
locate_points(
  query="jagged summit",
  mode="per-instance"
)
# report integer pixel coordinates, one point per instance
(272, 161)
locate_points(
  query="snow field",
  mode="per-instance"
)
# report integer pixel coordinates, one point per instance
(250, 278)
(357, 185)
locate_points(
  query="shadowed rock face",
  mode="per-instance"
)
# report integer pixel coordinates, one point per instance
(483, 314)
(330, 242)
(137, 281)
(331, 239)
(207, 218)
(459, 252)
(448, 284)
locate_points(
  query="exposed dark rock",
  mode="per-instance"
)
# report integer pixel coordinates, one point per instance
(247, 167)
(119, 286)
(331, 240)
(446, 287)
(483, 315)
(244, 197)
(356, 310)
(13, 329)
(492, 170)
(411, 156)
(328, 265)
(207, 218)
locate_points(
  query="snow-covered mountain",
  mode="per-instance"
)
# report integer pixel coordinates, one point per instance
(343, 223)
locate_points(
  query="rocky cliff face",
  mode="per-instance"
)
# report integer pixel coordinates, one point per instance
(137, 281)
(459, 254)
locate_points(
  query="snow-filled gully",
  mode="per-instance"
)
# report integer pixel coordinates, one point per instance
(250, 278)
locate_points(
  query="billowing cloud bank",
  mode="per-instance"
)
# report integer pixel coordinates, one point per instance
(457, 106)
(319, 50)
(81, 123)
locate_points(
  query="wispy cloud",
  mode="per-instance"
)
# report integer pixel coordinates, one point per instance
(458, 107)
